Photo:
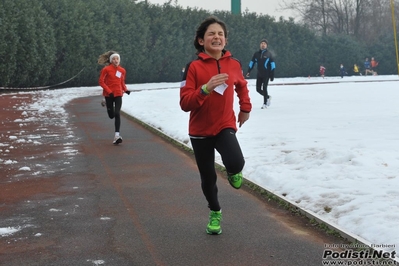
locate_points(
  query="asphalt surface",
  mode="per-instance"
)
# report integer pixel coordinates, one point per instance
(138, 203)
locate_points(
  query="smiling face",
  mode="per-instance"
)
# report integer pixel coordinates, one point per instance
(214, 40)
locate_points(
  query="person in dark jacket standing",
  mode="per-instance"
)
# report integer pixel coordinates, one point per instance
(207, 92)
(342, 71)
(265, 66)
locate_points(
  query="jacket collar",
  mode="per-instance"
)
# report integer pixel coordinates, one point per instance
(205, 56)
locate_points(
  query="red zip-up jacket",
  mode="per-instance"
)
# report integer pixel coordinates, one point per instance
(209, 114)
(112, 80)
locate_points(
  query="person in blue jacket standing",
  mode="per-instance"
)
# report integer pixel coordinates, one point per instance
(265, 67)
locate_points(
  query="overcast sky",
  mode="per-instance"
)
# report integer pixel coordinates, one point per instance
(269, 7)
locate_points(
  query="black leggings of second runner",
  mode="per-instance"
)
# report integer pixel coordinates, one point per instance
(227, 145)
(114, 111)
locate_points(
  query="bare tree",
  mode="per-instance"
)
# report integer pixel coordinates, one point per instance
(313, 13)
(376, 19)
(359, 11)
(363, 19)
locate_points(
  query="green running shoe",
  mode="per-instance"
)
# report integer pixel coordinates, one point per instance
(235, 180)
(213, 227)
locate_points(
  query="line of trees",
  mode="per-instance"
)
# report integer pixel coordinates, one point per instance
(363, 19)
(45, 42)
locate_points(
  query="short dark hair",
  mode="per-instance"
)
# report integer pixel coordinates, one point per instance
(200, 33)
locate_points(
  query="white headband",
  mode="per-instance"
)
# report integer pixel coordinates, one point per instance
(113, 55)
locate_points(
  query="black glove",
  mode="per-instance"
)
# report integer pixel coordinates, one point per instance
(271, 78)
(127, 92)
(111, 95)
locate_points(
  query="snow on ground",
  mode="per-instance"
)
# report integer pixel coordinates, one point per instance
(329, 145)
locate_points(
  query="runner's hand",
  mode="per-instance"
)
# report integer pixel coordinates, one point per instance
(242, 118)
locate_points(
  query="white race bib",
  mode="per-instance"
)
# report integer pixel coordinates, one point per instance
(221, 88)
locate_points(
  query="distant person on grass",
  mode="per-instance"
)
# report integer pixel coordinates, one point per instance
(374, 65)
(356, 70)
(342, 71)
(112, 80)
(367, 67)
(322, 71)
(207, 92)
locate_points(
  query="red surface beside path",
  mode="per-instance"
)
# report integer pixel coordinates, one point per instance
(29, 146)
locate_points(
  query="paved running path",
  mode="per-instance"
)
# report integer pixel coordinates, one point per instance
(138, 203)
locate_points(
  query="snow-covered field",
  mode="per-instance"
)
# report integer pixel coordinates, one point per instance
(329, 145)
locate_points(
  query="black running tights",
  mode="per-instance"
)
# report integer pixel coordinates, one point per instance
(114, 105)
(227, 145)
(261, 87)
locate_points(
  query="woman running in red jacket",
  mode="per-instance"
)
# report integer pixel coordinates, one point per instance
(207, 92)
(112, 80)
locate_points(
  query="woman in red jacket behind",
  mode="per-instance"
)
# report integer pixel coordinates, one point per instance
(207, 92)
(112, 80)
